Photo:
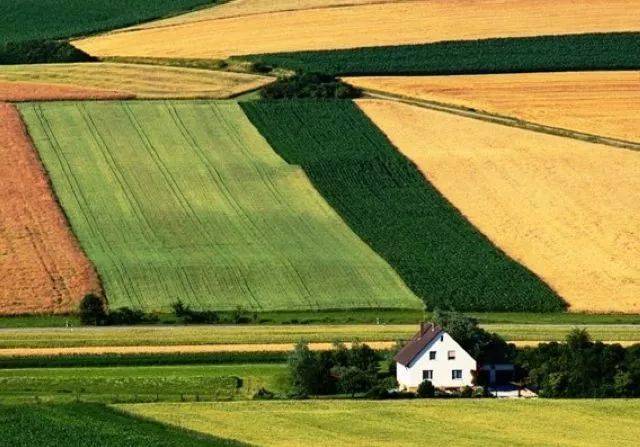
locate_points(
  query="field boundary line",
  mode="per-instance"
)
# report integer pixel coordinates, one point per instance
(504, 120)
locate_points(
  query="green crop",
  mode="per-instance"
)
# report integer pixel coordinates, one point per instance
(185, 200)
(391, 206)
(609, 51)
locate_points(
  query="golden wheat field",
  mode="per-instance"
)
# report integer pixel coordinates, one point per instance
(351, 26)
(567, 209)
(141, 81)
(603, 103)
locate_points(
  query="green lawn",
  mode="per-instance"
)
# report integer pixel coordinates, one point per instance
(385, 199)
(185, 200)
(606, 51)
(22, 20)
(486, 422)
(140, 384)
(86, 425)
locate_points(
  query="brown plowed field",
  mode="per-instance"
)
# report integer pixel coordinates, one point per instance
(364, 25)
(34, 91)
(566, 209)
(42, 269)
(605, 103)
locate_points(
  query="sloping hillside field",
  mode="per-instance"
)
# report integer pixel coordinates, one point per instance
(566, 209)
(365, 25)
(607, 51)
(186, 201)
(132, 80)
(605, 103)
(388, 203)
(38, 91)
(42, 269)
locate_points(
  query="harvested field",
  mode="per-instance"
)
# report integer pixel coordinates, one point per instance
(459, 422)
(125, 80)
(42, 269)
(185, 200)
(350, 27)
(603, 103)
(37, 91)
(566, 209)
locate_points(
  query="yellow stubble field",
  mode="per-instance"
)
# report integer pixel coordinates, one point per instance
(367, 25)
(566, 209)
(603, 103)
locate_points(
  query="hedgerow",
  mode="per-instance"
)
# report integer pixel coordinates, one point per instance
(387, 202)
(607, 51)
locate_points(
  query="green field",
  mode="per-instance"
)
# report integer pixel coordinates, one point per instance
(140, 384)
(22, 20)
(609, 51)
(184, 200)
(389, 204)
(90, 425)
(200, 335)
(486, 422)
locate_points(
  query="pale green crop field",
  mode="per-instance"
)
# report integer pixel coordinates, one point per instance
(185, 200)
(486, 422)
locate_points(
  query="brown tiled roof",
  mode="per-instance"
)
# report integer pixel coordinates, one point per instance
(423, 337)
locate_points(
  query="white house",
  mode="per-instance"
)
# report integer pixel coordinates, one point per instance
(432, 354)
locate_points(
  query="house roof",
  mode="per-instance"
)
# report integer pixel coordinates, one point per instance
(420, 340)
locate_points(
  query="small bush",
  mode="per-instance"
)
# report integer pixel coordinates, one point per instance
(92, 310)
(190, 316)
(426, 389)
(126, 315)
(310, 85)
(263, 394)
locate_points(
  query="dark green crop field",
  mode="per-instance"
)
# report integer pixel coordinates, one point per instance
(86, 425)
(22, 20)
(609, 51)
(389, 204)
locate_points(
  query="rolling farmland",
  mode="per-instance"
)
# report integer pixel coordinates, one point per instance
(388, 203)
(37, 91)
(350, 27)
(82, 425)
(185, 200)
(460, 422)
(42, 269)
(604, 103)
(566, 209)
(23, 20)
(125, 80)
(607, 51)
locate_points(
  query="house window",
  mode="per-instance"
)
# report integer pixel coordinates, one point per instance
(456, 374)
(432, 355)
(451, 355)
(427, 374)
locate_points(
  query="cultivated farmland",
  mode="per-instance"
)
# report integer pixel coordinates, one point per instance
(81, 425)
(42, 269)
(351, 26)
(186, 201)
(23, 20)
(388, 203)
(606, 51)
(604, 103)
(125, 80)
(566, 209)
(390, 423)
(37, 91)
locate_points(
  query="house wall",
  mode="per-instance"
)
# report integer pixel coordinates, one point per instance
(411, 377)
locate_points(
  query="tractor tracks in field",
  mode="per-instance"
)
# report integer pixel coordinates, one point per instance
(502, 119)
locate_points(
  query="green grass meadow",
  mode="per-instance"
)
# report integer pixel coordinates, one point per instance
(606, 51)
(90, 425)
(393, 208)
(185, 200)
(459, 422)
(22, 20)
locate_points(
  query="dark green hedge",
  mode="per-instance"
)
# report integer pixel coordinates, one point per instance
(388, 203)
(610, 51)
